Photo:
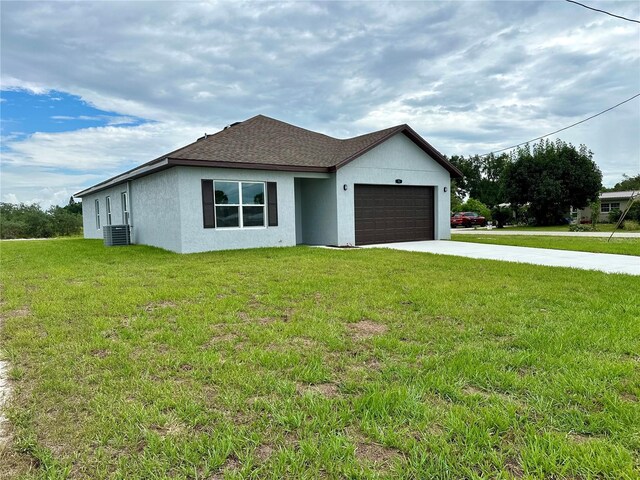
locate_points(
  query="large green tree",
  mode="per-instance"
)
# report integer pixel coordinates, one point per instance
(552, 177)
(483, 177)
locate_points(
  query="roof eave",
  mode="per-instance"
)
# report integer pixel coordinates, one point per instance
(141, 171)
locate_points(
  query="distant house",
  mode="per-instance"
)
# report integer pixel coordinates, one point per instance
(608, 201)
(263, 183)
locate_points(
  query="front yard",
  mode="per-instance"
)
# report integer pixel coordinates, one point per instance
(134, 362)
(622, 246)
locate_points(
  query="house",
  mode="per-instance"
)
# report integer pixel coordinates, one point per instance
(265, 183)
(609, 201)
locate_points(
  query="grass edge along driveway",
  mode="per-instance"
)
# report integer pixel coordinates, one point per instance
(620, 246)
(304, 363)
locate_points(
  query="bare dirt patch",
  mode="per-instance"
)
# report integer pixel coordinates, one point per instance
(628, 397)
(220, 338)
(232, 464)
(263, 452)
(172, 428)
(100, 353)
(17, 313)
(376, 453)
(514, 468)
(303, 342)
(471, 390)
(366, 329)
(328, 390)
(150, 307)
(580, 438)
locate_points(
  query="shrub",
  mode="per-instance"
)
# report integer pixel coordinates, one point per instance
(473, 205)
(634, 211)
(614, 216)
(30, 221)
(631, 225)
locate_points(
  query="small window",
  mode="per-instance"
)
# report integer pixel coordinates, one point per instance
(97, 214)
(615, 206)
(605, 207)
(239, 204)
(108, 210)
(124, 200)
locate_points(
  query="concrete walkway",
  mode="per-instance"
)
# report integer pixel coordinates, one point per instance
(507, 231)
(604, 262)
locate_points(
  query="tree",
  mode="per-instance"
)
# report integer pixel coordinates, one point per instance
(552, 177)
(456, 201)
(629, 183)
(473, 205)
(30, 221)
(483, 177)
(63, 222)
(73, 206)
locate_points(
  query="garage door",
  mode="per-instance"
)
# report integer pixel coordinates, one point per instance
(393, 213)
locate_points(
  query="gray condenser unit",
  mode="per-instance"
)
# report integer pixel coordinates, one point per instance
(116, 235)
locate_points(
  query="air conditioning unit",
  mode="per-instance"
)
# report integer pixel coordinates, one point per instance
(115, 235)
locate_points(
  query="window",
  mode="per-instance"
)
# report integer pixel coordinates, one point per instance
(239, 204)
(607, 207)
(124, 200)
(108, 210)
(97, 214)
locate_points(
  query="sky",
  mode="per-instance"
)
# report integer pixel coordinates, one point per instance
(91, 89)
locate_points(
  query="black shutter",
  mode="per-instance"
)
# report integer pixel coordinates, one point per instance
(272, 203)
(208, 210)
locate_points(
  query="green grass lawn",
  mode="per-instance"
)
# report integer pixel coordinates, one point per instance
(622, 246)
(602, 227)
(137, 363)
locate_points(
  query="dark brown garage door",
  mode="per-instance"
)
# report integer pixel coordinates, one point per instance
(393, 213)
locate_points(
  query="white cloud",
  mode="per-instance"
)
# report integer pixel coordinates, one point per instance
(469, 76)
(98, 149)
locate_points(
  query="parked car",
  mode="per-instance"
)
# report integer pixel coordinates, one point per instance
(467, 219)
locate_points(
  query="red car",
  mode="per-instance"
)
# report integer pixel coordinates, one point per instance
(467, 219)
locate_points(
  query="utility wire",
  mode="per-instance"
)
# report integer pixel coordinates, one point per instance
(562, 129)
(603, 11)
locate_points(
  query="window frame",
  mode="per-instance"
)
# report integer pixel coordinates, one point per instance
(97, 209)
(609, 206)
(241, 205)
(108, 209)
(124, 203)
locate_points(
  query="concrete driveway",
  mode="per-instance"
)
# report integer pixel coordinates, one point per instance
(604, 262)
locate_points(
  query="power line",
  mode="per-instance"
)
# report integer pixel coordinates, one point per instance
(565, 128)
(603, 11)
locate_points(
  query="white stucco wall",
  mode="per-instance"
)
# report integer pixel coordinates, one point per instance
(397, 158)
(196, 238)
(89, 211)
(317, 211)
(155, 209)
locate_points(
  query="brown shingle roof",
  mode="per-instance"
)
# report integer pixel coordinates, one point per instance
(265, 143)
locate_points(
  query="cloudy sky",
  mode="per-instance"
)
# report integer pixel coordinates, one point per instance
(90, 89)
